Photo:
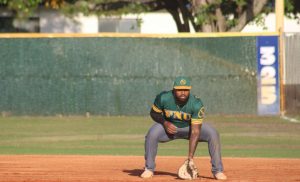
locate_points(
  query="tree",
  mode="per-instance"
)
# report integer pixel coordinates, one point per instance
(204, 15)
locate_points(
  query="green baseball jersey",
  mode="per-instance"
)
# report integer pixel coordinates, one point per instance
(191, 113)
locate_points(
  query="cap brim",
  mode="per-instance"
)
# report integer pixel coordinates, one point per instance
(182, 87)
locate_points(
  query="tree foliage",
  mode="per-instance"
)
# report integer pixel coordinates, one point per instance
(204, 15)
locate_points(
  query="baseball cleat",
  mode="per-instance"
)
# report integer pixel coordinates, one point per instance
(147, 174)
(220, 176)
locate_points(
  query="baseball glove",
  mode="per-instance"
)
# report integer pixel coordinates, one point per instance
(188, 170)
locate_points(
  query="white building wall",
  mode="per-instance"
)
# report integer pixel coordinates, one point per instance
(158, 23)
(54, 22)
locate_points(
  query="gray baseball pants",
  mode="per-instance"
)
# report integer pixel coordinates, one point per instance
(157, 134)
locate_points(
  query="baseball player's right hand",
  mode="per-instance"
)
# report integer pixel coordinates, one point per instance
(170, 128)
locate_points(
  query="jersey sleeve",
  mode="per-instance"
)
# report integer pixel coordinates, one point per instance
(158, 104)
(198, 112)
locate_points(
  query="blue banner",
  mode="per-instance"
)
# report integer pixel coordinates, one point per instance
(268, 96)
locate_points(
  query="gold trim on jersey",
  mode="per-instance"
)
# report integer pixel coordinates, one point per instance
(197, 121)
(156, 109)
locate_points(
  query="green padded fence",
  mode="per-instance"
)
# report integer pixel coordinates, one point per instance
(121, 76)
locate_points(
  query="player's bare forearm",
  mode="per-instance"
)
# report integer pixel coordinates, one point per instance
(194, 137)
(158, 117)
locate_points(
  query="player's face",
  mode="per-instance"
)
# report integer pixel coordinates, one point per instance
(182, 94)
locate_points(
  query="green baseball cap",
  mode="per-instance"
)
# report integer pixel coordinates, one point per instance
(182, 82)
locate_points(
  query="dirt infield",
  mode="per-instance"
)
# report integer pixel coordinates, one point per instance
(55, 168)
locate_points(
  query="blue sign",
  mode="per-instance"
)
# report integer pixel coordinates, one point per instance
(268, 96)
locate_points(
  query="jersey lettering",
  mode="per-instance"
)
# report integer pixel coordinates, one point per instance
(177, 115)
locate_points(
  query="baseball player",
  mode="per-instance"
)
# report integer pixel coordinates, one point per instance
(179, 115)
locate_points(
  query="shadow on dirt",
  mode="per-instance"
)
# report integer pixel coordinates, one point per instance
(138, 172)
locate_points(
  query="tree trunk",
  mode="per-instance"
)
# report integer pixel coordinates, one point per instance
(179, 13)
(248, 15)
(221, 22)
(184, 14)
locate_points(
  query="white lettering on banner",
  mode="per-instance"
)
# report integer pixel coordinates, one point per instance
(268, 94)
(268, 75)
(267, 57)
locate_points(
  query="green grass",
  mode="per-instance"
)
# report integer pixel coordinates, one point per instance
(241, 136)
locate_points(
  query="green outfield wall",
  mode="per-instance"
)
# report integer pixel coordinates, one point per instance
(122, 75)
